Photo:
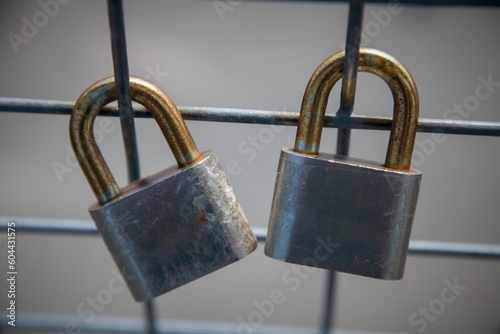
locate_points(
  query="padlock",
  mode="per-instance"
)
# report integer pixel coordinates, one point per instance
(171, 227)
(341, 213)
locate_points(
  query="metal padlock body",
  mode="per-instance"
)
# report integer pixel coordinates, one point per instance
(366, 212)
(341, 213)
(174, 226)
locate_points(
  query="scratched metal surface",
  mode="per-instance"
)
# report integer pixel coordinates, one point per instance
(173, 227)
(344, 214)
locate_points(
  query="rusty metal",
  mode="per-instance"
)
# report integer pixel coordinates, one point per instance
(360, 212)
(252, 116)
(88, 106)
(169, 228)
(401, 84)
(174, 226)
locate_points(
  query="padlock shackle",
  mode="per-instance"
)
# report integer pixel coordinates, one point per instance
(88, 106)
(406, 104)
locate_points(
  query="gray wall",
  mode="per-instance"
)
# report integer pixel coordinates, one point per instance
(259, 56)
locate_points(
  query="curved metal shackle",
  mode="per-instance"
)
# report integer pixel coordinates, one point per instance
(88, 106)
(404, 91)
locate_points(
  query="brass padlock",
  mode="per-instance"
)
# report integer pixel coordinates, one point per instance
(171, 227)
(341, 213)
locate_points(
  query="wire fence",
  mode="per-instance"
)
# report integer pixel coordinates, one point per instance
(342, 120)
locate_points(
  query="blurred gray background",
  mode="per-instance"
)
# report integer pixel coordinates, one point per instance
(254, 55)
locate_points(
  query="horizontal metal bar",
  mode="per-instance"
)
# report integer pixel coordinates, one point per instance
(417, 247)
(423, 2)
(50, 225)
(473, 3)
(455, 249)
(116, 324)
(459, 127)
(478, 3)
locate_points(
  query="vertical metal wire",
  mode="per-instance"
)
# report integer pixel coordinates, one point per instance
(120, 65)
(347, 95)
(327, 316)
(350, 74)
(150, 317)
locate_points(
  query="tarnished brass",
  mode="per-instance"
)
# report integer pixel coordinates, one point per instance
(404, 91)
(171, 227)
(88, 106)
(341, 213)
